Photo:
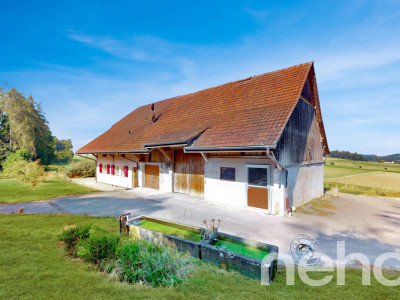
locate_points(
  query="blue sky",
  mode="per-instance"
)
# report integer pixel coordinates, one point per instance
(92, 62)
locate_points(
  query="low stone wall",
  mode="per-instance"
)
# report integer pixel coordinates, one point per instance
(245, 265)
(204, 250)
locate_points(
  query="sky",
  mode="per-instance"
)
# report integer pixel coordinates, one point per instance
(90, 63)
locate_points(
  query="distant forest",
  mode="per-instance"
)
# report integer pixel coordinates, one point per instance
(365, 157)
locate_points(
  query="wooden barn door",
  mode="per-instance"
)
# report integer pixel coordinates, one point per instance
(135, 177)
(151, 179)
(181, 172)
(188, 173)
(196, 174)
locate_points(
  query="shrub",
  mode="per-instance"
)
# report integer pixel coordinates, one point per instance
(97, 247)
(83, 168)
(72, 235)
(150, 263)
(31, 173)
(332, 163)
(15, 156)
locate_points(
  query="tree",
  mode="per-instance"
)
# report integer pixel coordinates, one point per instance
(64, 151)
(26, 125)
(4, 137)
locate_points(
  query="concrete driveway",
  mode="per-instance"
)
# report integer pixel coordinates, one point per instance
(369, 225)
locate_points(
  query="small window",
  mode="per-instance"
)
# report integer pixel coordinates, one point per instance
(227, 174)
(258, 176)
(117, 171)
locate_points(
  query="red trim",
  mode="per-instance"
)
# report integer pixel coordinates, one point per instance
(108, 169)
(100, 168)
(126, 171)
(112, 170)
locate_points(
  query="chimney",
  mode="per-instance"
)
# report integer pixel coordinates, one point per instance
(154, 114)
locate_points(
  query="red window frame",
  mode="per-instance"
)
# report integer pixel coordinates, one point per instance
(108, 169)
(100, 168)
(126, 171)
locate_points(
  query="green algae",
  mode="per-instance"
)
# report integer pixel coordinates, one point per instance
(241, 248)
(170, 230)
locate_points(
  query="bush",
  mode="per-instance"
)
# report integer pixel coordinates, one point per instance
(31, 173)
(332, 163)
(132, 261)
(83, 168)
(15, 156)
(97, 247)
(150, 263)
(72, 235)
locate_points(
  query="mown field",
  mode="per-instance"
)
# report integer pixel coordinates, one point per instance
(368, 178)
(13, 191)
(33, 266)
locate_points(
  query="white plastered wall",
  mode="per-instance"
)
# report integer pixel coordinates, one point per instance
(306, 182)
(234, 193)
(165, 175)
(117, 179)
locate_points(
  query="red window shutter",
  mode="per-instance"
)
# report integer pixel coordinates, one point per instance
(126, 171)
(112, 170)
(100, 168)
(108, 169)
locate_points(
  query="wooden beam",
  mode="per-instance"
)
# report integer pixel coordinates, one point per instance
(308, 102)
(165, 153)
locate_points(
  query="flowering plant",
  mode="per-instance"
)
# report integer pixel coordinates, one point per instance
(211, 227)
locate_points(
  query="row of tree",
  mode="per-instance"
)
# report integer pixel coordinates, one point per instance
(23, 126)
(364, 157)
(347, 155)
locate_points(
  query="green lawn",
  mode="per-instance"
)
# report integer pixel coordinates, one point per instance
(33, 266)
(13, 191)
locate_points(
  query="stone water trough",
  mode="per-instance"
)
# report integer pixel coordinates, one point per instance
(253, 259)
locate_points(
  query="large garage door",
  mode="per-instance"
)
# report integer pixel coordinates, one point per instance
(188, 173)
(151, 179)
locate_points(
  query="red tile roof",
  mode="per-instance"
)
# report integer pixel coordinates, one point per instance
(248, 112)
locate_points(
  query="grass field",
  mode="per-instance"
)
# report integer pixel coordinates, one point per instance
(13, 191)
(372, 178)
(368, 165)
(56, 167)
(34, 267)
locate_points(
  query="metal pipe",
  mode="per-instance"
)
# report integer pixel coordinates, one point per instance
(273, 158)
(137, 163)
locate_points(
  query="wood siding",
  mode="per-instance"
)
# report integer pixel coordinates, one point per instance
(181, 172)
(188, 173)
(300, 141)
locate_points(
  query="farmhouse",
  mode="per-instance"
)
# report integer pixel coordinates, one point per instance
(257, 142)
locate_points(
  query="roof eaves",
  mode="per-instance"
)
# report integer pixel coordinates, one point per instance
(230, 148)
